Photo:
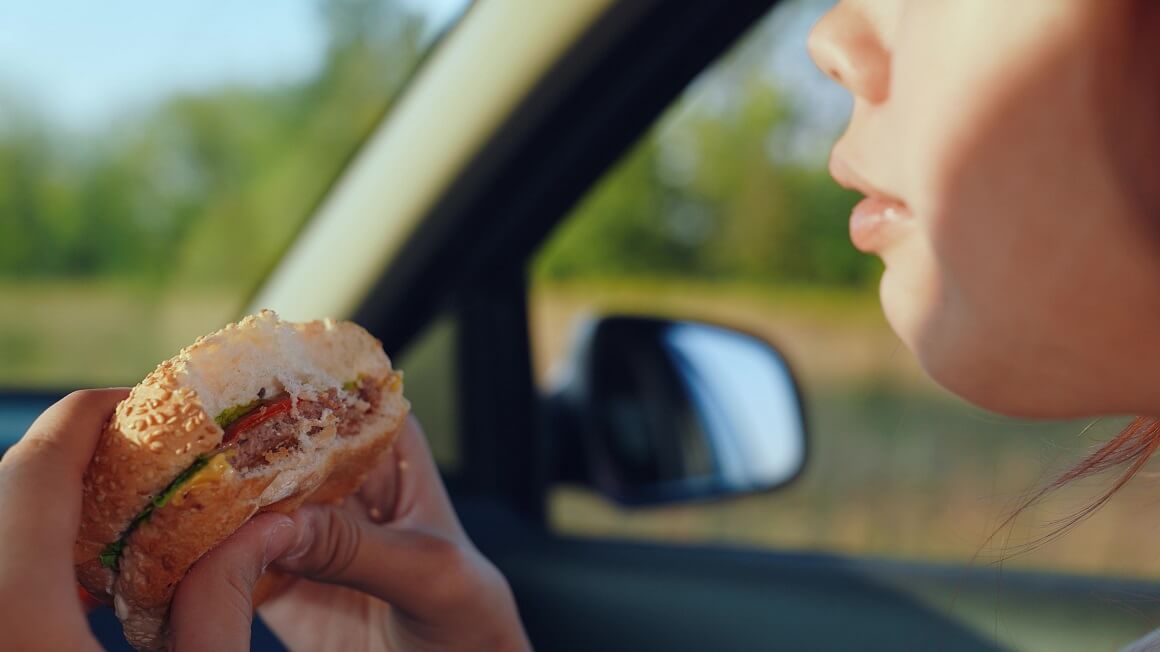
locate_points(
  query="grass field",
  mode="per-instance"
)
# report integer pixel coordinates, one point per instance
(59, 335)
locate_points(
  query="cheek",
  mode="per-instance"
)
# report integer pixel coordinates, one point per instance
(978, 288)
(1027, 280)
(1025, 299)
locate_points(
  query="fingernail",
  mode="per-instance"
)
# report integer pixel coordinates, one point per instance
(282, 537)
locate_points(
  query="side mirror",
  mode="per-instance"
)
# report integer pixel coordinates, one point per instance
(653, 411)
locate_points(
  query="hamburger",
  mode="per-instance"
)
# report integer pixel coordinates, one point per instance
(262, 415)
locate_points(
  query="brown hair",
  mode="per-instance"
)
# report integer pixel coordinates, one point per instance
(1130, 450)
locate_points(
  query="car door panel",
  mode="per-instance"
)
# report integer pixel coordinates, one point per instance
(577, 594)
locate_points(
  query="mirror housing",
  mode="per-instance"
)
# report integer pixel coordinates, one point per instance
(653, 411)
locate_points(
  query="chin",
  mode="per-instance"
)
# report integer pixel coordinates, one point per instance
(978, 384)
(970, 361)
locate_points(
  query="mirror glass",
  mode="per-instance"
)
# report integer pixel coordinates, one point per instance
(677, 410)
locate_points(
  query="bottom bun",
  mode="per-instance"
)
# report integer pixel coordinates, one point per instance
(213, 505)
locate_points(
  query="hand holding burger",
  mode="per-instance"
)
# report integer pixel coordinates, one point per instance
(189, 460)
(40, 510)
(391, 569)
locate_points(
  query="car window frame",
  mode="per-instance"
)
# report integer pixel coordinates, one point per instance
(470, 255)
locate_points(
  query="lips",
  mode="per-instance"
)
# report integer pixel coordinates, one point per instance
(877, 220)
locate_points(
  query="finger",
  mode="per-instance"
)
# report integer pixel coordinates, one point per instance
(380, 491)
(67, 432)
(407, 488)
(41, 476)
(213, 606)
(418, 571)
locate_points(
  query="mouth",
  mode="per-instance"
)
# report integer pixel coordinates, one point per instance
(877, 220)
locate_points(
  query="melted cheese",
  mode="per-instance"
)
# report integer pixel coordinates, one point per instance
(214, 470)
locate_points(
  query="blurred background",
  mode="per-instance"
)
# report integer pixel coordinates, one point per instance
(155, 162)
(157, 159)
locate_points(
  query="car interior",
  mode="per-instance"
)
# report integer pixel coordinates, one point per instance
(429, 238)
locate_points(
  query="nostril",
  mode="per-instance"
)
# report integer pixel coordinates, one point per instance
(846, 47)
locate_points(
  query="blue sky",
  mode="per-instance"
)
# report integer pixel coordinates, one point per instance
(83, 61)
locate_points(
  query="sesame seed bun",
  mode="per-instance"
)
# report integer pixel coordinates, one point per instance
(168, 423)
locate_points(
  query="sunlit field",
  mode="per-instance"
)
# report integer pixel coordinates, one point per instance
(124, 331)
(897, 466)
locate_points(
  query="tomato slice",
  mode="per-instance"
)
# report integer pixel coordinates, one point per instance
(258, 415)
(88, 602)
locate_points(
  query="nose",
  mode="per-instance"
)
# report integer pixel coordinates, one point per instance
(845, 45)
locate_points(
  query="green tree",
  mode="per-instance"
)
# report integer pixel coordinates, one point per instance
(704, 194)
(206, 187)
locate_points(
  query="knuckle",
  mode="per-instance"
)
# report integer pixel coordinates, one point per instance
(458, 575)
(29, 449)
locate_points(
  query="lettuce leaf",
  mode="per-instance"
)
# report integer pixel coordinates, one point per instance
(112, 552)
(232, 414)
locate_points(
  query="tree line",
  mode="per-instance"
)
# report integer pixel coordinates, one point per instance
(210, 187)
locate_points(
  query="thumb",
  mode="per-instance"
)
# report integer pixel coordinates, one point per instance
(213, 607)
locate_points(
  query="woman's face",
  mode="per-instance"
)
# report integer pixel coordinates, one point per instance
(1011, 154)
